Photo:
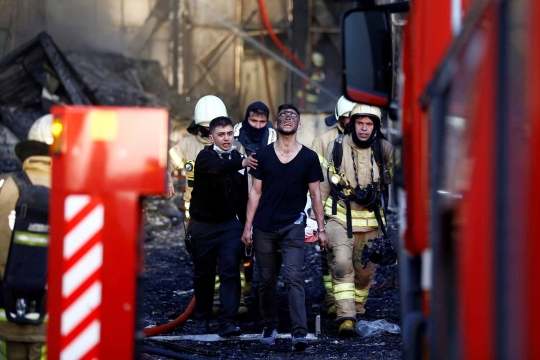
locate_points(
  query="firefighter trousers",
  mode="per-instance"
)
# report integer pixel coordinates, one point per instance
(350, 280)
(13, 350)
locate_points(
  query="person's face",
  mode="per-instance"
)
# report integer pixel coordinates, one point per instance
(223, 137)
(257, 121)
(363, 126)
(345, 120)
(287, 122)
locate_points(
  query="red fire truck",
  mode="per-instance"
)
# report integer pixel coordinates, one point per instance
(468, 95)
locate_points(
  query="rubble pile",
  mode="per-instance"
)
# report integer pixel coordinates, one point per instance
(38, 75)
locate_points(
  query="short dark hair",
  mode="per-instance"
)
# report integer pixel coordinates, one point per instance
(259, 110)
(220, 121)
(288, 106)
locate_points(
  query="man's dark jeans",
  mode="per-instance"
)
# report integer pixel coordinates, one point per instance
(291, 241)
(224, 249)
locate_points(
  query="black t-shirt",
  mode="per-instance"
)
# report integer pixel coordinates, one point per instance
(284, 186)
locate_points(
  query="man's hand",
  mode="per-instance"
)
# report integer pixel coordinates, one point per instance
(323, 239)
(250, 161)
(169, 192)
(246, 237)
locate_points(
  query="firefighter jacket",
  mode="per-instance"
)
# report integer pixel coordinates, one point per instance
(362, 219)
(183, 155)
(38, 169)
(320, 144)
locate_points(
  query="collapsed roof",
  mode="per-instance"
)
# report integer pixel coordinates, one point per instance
(38, 75)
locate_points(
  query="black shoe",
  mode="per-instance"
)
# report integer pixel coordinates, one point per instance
(230, 330)
(202, 327)
(299, 342)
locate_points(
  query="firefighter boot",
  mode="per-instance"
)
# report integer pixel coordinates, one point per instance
(346, 329)
(332, 311)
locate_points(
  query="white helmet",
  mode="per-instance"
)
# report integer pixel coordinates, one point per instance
(318, 59)
(41, 130)
(207, 109)
(373, 112)
(343, 108)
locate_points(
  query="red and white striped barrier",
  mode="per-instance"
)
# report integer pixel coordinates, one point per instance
(81, 281)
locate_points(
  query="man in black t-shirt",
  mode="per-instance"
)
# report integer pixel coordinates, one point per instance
(217, 212)
(286, 171)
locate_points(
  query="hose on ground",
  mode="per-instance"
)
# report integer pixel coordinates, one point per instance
(157, 330)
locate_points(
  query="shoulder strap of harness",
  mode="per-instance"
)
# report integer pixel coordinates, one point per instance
(337, 152)
(337, 194)
(21, 180)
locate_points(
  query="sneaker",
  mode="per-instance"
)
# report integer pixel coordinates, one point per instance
(230, 330)
(269, 336)
(299, 342)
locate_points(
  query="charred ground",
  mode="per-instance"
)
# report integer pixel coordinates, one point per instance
(167, 286)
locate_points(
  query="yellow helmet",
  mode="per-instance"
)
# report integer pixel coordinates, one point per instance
(373, 112)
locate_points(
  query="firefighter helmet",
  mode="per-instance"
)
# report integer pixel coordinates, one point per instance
(41, 130)
(317, 59)
(208, 108)
(373, 112)
(38, 141)
(343, 108)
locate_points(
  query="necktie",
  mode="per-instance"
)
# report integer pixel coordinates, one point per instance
(225, 156)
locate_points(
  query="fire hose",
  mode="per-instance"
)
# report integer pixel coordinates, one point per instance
(160, 329)
(279, 44)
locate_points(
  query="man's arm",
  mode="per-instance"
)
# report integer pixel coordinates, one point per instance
(208, 163)
(316, 205)
(174, 162)
(253, 204)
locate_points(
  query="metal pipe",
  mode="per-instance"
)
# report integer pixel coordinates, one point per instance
(238, 50)
(175, 29)
(261, 48)
(216, 337)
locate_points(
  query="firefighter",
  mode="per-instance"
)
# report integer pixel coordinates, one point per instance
(339, 121)
(357, 170)
(218, 213)
(309, 96)
(254, 132)
(23, 341)
(183, 155)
